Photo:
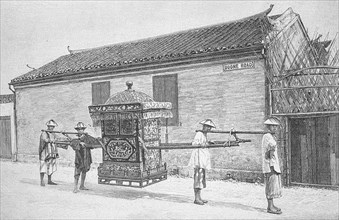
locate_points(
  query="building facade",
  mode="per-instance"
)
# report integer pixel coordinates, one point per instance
(217, 72)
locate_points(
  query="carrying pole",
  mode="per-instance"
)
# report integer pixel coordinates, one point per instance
(178, 146)
(62, 132)
(236, 132)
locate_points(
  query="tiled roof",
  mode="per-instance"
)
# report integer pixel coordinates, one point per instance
(8, 98)
(240, 34)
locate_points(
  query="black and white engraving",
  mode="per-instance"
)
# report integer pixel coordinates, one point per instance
(169, 110)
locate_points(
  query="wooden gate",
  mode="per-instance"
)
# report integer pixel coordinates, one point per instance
(5, 137)
(314, 150)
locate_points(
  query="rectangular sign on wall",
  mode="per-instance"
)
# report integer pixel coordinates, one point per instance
(237, 66)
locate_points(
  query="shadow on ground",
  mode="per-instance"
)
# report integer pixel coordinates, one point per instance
(121, 192)
(118, 192)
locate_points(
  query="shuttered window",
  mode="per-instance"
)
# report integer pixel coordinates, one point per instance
(165, 89)
(100, 94)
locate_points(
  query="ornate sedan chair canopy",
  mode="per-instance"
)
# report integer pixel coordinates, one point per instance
(130, 123)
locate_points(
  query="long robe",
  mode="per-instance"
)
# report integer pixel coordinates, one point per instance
(272, 177)
(47, 153)
(200, 157)
(269, 144)
(82, 147)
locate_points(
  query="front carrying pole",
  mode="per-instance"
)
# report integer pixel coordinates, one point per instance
(218, 144)
(236, 132)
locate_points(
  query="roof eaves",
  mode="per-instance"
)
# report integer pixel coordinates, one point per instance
(94, 63)
(147, 62)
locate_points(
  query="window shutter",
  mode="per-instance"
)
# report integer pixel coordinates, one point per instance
(100, 94)
(171, 95)
(158, 88)
(165, 89)
(104, 91)
(95, 94)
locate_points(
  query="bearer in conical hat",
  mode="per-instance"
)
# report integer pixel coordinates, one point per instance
(48, 153)
(200, 160)
(83, 158)
(270, 165)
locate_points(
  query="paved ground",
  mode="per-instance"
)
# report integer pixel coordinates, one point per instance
(23, 198)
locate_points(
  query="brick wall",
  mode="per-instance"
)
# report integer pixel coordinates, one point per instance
(233, 98)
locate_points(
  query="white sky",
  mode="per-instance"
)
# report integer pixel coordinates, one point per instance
(37, 32)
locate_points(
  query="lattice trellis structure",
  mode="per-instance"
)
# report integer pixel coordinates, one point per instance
(311, 91)
(303, 74)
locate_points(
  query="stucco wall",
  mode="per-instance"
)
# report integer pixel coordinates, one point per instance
(6, 109)
(233, 98)
(66, 103)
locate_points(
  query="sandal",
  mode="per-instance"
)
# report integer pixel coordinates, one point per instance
(277, 212)
(204, 201)
(199, 202)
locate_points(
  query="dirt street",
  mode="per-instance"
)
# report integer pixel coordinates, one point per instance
(23, 198)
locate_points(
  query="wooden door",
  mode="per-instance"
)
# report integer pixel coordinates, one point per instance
(314, 150)
(5, 137)
(334, 148)
(323, 171)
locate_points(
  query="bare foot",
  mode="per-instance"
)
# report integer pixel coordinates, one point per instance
(75, 190)
(42, 184)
